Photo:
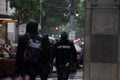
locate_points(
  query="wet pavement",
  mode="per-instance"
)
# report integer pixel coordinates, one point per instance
(78, 75)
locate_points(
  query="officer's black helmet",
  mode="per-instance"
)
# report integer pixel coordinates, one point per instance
(64, 35)
(32, 27)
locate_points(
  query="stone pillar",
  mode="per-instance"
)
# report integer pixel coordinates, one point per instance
(102, 40)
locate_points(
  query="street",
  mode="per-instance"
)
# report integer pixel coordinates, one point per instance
(73, 76)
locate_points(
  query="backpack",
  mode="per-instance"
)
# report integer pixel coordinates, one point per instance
(32, 51)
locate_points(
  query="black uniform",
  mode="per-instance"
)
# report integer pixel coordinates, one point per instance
(64, 52)
(44, 61)
(21, 67)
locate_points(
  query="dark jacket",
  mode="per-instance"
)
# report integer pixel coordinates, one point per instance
(64, 51)
(32, 30)
(46, 49)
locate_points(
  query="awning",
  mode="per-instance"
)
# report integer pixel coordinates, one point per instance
(7, 18)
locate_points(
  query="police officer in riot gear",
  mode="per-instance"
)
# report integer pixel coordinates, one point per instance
(64, 52)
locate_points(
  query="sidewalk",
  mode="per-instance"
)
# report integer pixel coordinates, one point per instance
(73, 75)
(53, 76)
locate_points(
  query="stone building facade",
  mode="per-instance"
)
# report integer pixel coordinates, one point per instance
(102, 40)
(7, 26)
(2, 6)
(2, 25)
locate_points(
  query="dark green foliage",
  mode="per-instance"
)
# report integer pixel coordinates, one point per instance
(26, 9)
(53, 13)
(57, 9)
(57, 12)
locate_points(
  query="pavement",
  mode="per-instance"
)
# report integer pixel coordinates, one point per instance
(78, 75)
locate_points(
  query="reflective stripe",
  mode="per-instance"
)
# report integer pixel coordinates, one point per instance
(34, 45)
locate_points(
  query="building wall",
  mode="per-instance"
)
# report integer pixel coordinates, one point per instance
(102, 40)
(2, 27)
(7, 30)
(11, 26)
(9, 10)
(2, 6)
(5, 8)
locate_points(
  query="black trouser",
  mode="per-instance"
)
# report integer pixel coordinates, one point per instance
(31, 70)
(44, 70)
(62, 72)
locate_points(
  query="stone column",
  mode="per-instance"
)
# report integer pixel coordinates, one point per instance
(102, 40)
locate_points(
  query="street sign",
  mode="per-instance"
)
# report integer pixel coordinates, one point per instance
(72, 35)
(22, 29)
